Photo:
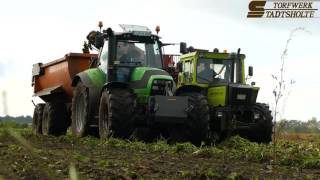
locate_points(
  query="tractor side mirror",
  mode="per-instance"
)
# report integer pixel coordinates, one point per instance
(91, 37)
(99, 40)
(95, 38)
(250, 71)
(183, 48)
(179, 66)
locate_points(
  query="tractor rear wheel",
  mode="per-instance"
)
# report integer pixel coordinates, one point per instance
(37, 119)
(55, 119)
(116, 112)
(262, 133)
(196, 128)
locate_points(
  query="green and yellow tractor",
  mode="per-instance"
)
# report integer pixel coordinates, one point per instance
(217, 82)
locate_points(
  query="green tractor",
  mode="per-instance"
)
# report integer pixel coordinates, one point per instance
(218, 81)
(126, 90)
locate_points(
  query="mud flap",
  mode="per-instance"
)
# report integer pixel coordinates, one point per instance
(169, 109)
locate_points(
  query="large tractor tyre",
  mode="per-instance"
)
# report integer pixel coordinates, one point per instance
(55, 119)
(37, 119)
(197, 125)
(80, 114)
(262, 133)
(116, 112)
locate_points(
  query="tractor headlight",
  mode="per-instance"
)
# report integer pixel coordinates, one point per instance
(219, 114)
(256, 115)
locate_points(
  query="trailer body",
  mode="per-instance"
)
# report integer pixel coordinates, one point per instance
(53, 81)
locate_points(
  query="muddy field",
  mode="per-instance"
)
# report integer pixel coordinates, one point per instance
(26, 156)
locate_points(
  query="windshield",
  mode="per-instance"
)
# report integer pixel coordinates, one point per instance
(216, 70)
(144, 54)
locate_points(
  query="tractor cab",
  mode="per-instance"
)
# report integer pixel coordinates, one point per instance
(217, 75)
(214, 70)
(205, 68)
(122, 52)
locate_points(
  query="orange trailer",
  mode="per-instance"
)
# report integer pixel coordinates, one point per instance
(52, 81)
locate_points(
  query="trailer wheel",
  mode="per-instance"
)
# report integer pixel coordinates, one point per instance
(37, 119)
(262, 133)
(196, 128)
(116, 112)
(54, 119)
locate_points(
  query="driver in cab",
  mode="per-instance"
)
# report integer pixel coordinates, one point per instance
(127, 52)
(206, 74)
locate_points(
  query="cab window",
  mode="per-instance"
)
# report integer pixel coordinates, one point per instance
(187, 69)
(104, 58)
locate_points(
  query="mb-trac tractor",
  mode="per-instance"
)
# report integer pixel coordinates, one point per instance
(217, 80)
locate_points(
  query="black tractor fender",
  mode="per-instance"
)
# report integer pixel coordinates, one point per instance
(84, 78)
(110, 85)
(189, 88)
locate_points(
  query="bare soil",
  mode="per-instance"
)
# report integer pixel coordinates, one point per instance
(45, 157)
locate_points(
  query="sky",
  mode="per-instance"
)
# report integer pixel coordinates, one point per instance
(41, 31)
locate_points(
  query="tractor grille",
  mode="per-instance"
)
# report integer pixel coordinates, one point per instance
(159, 87)
(241, 96)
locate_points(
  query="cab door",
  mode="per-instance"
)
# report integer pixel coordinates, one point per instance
(186, 76)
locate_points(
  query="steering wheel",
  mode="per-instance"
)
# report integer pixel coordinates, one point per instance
(203, 78)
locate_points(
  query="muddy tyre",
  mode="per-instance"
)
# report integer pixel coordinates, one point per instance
(196, 129)
(116, 112)
(262, 132)
(80, 111)
(37, 119)
(55, 119)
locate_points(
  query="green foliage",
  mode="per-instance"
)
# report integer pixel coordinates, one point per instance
(240, 148)
(81, 158)
(184, 148)
(301, 154)
(211, 174)
(234, 176)
(76, 157)
(311, 163)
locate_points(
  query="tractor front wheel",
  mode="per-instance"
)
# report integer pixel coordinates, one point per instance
(80, 111)
(196, 128)
(262, 132)
(116, 112)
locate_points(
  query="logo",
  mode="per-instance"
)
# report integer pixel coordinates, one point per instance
(256, 9)
(282, 9)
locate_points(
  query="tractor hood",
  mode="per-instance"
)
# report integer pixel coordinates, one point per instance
(232, 94)
(146, 81)
(145, 72)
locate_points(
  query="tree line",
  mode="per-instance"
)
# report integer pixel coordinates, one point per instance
(296, 126)
(18, 119)
(284, 125)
